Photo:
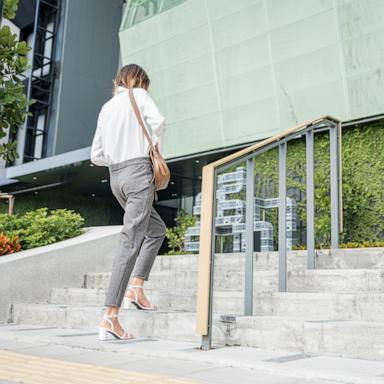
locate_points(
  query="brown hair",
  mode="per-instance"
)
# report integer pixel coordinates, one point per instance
(131, 76)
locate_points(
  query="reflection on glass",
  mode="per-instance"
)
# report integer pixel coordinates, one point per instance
(296, 189)
(230, 212)
(140, 10)
(266, 210)
(322, 190)
(230, 219)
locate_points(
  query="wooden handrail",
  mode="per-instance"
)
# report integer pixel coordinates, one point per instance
(207, 218)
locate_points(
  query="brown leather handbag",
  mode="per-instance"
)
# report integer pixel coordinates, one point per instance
(160, 167)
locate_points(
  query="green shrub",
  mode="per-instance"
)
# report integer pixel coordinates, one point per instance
(42, 227)
(176, 234)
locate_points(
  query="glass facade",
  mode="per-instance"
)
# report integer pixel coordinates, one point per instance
(140, 10)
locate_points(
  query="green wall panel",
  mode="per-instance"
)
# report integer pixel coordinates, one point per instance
(228, 72)
(243, 57)
(282, 13)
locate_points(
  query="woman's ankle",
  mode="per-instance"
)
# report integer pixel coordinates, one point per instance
(138, 281)
(111, 310)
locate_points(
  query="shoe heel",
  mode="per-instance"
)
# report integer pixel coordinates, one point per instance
(102, 334)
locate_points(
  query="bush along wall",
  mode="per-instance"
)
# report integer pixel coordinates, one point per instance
(37, 228)
(363, 186)
(99, 210)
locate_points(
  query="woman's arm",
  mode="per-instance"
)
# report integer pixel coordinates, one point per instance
(97, 154)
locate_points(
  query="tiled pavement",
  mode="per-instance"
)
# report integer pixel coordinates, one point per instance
(44, 355)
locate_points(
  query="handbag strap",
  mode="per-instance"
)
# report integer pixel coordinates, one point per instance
(138, 115)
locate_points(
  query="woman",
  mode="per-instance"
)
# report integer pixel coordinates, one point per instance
(120, 144)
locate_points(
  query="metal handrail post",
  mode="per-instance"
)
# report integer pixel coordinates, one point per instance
(249, 245)
(310, 169)
(206, 258)
(335, 180)
(282, 227)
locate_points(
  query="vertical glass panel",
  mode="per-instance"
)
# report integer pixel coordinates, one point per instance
(296, 194)
(140, 10)
(230, 210)
(322, 191)
(192, 233)
(229, 262)
(47, 49)
(230, 241)
(266, 209)
(38, 146)
(266, 227)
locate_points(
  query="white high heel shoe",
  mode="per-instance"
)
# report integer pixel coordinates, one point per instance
(135, 301)
(104, 331)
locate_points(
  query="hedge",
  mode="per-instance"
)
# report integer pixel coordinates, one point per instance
(40, 227)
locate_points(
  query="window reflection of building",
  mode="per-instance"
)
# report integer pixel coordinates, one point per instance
(230, 216)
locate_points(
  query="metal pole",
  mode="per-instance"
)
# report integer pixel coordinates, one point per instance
(249, 219)
(206, 340)
(282, 217)
(334, 164)
(29, 85)
(11, 205)
(310, 201)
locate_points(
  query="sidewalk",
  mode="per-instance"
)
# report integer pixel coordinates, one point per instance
(32, 354)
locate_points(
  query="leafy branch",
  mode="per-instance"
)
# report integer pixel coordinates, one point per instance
(13, 101)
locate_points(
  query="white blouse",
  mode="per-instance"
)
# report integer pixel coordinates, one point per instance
(118, 135)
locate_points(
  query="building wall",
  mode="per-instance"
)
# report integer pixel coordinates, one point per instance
(229, 72)
(88, 63)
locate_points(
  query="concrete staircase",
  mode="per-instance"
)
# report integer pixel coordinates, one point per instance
(334, 310)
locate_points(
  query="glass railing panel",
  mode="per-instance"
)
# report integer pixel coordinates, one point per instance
(265, 231)
(137, 11)
(322, 190)
(266, 201)
(296, 222)
(229, 240)
(290, 197)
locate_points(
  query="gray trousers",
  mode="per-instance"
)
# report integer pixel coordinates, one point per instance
(132, 183)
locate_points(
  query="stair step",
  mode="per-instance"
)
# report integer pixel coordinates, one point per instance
(152, 324)
(358, 258)
(321, 306)
(224, 280)
(354, 339)
(318, 280)
(337, 280)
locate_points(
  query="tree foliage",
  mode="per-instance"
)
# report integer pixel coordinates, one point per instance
(10, 9)
(13, 101)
